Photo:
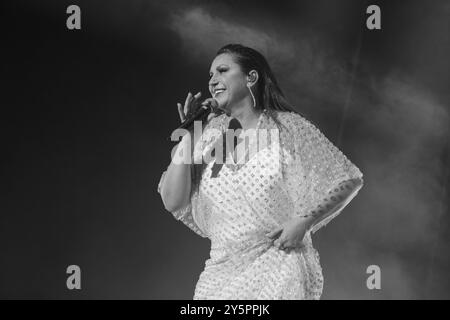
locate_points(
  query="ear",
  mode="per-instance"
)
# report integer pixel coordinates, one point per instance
(252, 78)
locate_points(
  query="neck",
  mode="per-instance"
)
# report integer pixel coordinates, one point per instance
(247, 115)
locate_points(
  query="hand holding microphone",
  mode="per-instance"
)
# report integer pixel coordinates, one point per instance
(193, 111)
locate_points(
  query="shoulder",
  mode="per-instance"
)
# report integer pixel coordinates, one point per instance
(300, 132)
(293, 122)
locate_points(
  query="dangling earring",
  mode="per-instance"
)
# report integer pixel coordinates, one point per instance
(253, 97)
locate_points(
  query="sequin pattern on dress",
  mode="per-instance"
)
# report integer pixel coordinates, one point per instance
(237, 206)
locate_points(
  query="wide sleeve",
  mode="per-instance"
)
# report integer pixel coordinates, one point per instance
(319, 168)
(186, 214)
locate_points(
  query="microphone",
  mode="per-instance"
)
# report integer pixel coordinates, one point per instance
(200, 114)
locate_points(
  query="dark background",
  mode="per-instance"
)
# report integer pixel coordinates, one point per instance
(85, 114)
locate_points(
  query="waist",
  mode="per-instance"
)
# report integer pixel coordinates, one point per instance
(249, 248)
(241, 250)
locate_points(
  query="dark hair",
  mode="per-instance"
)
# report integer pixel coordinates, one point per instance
(268, 94)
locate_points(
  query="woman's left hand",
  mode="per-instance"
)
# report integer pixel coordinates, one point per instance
(290, 235)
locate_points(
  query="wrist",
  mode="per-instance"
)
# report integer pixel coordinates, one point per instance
(306, 220)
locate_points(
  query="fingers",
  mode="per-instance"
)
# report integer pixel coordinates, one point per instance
(289, 246)
(279, 243)
(275, 233)
(194, 105)
(207, 101)
(283, 242)
(277, 236)
(180, 112)
(188, 105)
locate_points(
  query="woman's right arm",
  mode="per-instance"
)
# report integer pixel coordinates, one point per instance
(176, 184)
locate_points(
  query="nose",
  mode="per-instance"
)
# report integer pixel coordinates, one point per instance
(213, 81)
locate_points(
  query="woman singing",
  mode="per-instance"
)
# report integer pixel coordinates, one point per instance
(259, 199)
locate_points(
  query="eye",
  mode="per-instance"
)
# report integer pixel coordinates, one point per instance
(221, 70)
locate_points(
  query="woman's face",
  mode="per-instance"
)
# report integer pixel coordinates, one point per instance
(227, 82)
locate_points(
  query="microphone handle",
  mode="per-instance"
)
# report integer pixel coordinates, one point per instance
(199, 115)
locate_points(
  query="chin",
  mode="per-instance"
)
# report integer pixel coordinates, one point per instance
(222, 103)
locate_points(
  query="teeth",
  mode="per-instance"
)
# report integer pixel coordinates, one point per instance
(219, 90)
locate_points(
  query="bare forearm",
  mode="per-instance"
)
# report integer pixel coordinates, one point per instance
(176, 187)
(333, 201)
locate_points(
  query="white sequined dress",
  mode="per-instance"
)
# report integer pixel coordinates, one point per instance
(237, 205)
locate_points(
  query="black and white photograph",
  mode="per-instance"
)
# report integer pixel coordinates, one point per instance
(225, 150)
